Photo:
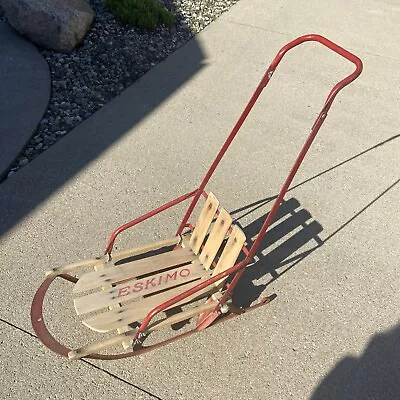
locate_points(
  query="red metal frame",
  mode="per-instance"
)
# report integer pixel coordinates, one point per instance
(238, 269)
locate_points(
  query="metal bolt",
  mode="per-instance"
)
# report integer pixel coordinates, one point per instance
(224, 308)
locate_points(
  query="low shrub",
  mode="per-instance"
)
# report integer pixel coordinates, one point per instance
(144, 14)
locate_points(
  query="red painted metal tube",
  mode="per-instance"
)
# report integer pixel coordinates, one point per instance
(314, 130)
(150, 214)
(317, 124)
(264, 81)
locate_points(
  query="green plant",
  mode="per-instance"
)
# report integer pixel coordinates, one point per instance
(145, 14)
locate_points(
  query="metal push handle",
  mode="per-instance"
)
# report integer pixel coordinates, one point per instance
(264, 81)
(314, 130)
(317, 124)
(327, 43)
(238, 269)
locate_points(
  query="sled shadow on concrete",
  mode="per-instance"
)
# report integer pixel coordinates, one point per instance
(292, 236)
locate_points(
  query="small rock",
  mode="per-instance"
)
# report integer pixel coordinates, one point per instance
(48, 140)
(23, 162)
(69, 121)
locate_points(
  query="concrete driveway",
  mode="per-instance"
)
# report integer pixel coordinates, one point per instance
(333, 330)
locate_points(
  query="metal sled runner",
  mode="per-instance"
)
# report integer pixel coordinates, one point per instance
(135, 292)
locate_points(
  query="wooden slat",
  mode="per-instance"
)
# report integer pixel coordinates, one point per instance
(136, 288)
(78, 265)
(117, 255)
(230, 254)
(118, 339)
(133, 269)
(203, 223)
(215, 239)
(134, 312)
(100, 345)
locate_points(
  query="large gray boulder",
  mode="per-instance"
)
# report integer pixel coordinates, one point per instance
(54, 24)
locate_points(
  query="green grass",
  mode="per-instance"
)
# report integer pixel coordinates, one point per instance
(144, 14)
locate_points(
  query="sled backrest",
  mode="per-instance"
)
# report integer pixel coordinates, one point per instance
(208, 239)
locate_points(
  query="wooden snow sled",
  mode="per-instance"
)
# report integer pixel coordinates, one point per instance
(131, 293)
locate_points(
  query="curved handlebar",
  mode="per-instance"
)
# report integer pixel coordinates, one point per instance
(330, 45)
(317, 124)
(314, 130)
(327, 43)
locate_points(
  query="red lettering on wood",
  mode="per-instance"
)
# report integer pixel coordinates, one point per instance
(138, 286)
(183, 273)
(150, 281)
(123, 291)
(172, 276)
(144, 284)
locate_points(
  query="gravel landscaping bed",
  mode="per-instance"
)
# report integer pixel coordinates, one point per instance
(110, 59)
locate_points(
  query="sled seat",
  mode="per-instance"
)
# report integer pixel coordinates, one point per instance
(122, 291)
